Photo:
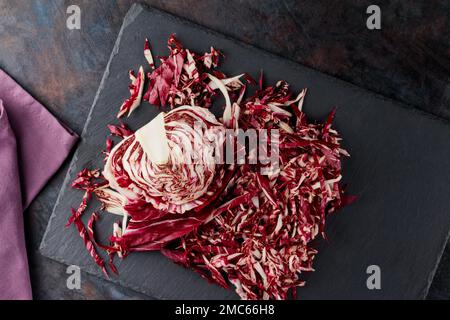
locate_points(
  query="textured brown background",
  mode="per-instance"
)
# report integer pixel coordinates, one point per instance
(408, 60)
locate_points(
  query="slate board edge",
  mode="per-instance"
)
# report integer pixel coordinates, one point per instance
(426, 289)
(133, 12)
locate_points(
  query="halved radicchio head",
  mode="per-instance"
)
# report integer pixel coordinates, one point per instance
(163, 179)
(182, 179)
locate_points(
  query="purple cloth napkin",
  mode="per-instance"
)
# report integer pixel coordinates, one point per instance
(33, 145)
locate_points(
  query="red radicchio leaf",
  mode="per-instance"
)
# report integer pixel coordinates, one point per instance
(181, 78)
(163, 78)
(110, 250)
(76, 214)
(109, 146)
(88, 180)
(75, 218)
(211, 59)
(136, 89)
(148, 54)
(121, 131)
(250, 80)
(260, 82)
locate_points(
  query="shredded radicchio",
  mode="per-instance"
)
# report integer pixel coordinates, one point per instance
(230, 223)
(262, 243)
(182, 78)
(136, 88)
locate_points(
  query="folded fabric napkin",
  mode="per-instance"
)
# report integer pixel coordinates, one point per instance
(33, 145)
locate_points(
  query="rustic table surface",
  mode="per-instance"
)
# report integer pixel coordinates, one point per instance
(407, 60)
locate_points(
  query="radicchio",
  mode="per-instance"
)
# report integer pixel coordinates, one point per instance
(262, 245)
(162, 202)
(231, 224)
(136, 88)
(182, 78)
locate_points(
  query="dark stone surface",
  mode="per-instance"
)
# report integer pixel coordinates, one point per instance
(407, 60)
(390, 225)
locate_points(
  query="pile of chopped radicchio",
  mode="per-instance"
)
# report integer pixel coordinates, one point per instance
(246, 223)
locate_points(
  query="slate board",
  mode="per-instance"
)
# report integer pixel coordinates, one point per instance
(399, 169)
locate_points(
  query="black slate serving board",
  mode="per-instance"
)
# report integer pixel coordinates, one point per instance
(399, 169)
